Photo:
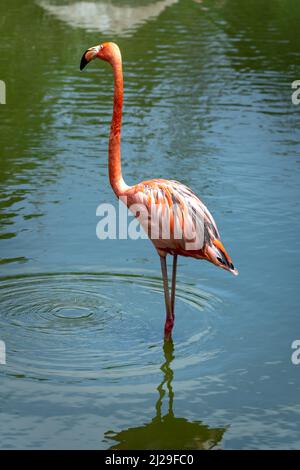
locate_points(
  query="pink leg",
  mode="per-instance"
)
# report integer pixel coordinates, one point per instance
(169, 317)
(173, 287)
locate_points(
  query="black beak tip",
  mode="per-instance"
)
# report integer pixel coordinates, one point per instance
(83, 61)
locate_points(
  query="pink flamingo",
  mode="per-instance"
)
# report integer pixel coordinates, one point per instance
(169, 204)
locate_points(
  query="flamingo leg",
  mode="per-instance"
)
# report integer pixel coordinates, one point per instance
(169, 316)
(173, 287)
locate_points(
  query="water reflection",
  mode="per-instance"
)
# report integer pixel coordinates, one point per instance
(106, 18)
(166, 431)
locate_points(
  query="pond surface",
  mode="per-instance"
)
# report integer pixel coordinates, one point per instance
(207, 102)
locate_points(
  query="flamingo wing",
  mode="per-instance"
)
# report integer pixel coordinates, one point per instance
(177, 221)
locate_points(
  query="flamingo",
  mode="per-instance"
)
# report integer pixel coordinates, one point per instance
(168, 204)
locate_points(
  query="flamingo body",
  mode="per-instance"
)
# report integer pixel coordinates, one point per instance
(175, 205)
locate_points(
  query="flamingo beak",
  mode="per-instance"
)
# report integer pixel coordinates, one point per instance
(89, 55)
(84, 60)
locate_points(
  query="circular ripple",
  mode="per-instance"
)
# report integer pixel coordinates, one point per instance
(75, 326)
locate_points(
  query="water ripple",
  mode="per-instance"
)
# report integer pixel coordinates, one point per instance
(70, 326)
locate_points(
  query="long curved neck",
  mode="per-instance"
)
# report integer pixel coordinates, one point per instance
(114, 148)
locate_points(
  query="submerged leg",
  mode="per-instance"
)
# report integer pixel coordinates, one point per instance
(173, 286)
(169, 317)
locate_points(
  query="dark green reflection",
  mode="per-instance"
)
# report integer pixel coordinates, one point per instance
(167, 431)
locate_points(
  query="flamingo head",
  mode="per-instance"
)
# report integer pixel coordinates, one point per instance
(108, 51)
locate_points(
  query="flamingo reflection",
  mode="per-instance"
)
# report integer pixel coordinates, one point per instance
(166, 431)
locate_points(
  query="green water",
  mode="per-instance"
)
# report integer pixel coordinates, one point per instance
(207, 102)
